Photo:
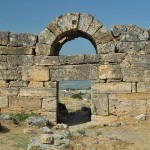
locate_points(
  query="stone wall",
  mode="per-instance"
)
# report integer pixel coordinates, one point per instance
(30, 67)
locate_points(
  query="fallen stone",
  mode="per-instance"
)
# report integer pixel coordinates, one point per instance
(61, 126)
(37, 121)
(140, 117)
(28, 130)
(45, 130)
(46, 139)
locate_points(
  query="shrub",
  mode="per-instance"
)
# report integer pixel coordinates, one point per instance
(76, 96)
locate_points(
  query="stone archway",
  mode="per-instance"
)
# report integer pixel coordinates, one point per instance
(68, 27)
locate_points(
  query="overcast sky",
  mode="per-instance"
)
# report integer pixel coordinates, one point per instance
(34, 15)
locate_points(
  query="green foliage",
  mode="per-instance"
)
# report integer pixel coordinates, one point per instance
(81, 131)
(99, 133)
(23, 116)
(76, 96)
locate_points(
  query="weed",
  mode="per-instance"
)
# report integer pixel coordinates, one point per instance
(99, 133)
(23, 116)
(81, 131)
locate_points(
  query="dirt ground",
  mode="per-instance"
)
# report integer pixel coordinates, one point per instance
(99, 135)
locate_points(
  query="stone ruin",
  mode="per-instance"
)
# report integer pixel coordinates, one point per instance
(31, 68)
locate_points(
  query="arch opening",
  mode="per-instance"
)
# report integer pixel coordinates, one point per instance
(69, 36)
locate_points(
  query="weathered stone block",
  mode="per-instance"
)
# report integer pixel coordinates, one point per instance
(74, 72)
(22, 39)
(139, 60)
(46, 37)
(25, 103)
(106, 48)
(84, 22)
(53, 27)
(134, 87)
(16, 50)
(102, 36)
(3, 83)
(18, 84)
(4, 38)
(94, 58)
(35, 73)
(18, 60)
(68, 21)
(35, 84)
(5, 65)
(118, 87)
(44, 49)
(9, 75)
(133, 74)
(147, 47)
(129, 47)
(110, 72)
(112, 57)
(3, 58)
(52, 116)
(143, 87)
(3, 101)
(94, 26)
(39, 92)
(146, 77)
(8, 91)
(50, 84)
(100, 104)
(46, 60)
(117, 30)
(72, 59)
(49, 104)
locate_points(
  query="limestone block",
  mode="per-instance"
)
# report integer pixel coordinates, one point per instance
(129, 47)
(4, 38)
(52, 116)
(3, 101)
(134, 87)
(35, 84)
(121, 107)
(130, 96)
(22, 39)
(3, 83)
(5, 65)
(117, 30)
(16, 50)
(92, 58)
(68, 21)
(133, 74)
(18, 84)
(9, 75)
(25, 103)
(84, 22)
(100, 104)
(118, 87)
(46, 37)
(110, 72)
(139, 60)
(35, 73)
(102, 36)
(140, 107)
(3, 58)
(18, 60)
(53, 27)
(146, 77)
(112, 57)
(49, 104)
(143, 87)
(148, 108)
(106, 48)
(72, 59)
(95, 87)
(8, 91)
(38, 92)
(50, 84)
(94, 26)
(46, 139)
(147, 47)
(46, 60)
(44, 49)
(74, 72)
